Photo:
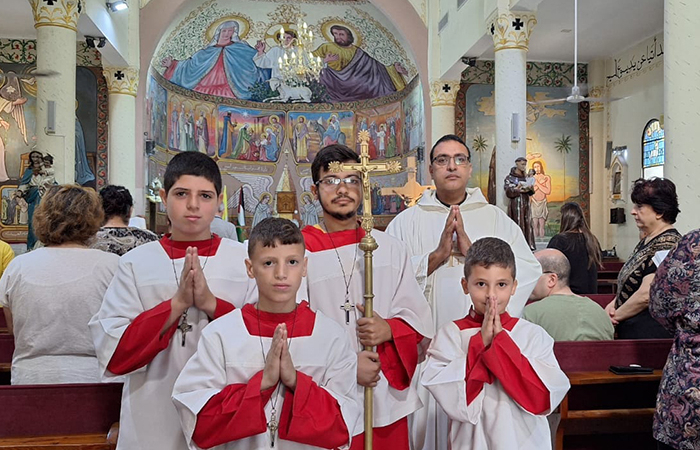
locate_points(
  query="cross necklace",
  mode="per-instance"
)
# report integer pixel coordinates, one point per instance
(184, 326)
(273, 424)
(347, 306)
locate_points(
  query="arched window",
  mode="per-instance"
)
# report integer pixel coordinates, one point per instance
(653, 150)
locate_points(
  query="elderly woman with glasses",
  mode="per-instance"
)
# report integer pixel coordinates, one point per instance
(655, 210)
(49, 294)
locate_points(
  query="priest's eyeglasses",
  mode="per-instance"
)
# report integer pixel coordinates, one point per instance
(333, 182)
(443, 160)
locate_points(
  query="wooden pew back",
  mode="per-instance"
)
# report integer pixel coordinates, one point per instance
(604, 411)
(51, 410)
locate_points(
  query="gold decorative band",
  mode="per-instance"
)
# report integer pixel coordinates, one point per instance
(122, 80)
(511, 29)
(443, 93)
(57, 13)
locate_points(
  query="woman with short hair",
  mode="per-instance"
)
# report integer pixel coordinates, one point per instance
(655, 210)
(49, 294)
(116, 236)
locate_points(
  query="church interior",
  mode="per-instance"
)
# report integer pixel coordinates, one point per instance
(594, 94)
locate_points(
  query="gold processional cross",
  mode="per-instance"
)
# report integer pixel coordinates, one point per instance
(368, 244)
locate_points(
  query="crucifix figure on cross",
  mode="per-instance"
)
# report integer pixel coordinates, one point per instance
(368, 244)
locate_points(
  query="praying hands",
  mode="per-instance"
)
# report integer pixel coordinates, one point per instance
(491, 325)
(278, 362)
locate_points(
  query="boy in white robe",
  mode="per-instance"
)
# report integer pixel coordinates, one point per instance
(163, 295)
(495, 375)
(401, 326)
(272, 374)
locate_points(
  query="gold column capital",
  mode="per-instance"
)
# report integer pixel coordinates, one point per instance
(511, 29)
(122, 80)
(443, 92)
(56, 13)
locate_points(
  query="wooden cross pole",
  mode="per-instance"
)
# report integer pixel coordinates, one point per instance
(368, 244)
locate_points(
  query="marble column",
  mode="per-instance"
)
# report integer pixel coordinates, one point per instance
(443, 94)
(123, 85)
(681, 99)
(597, 173)
(56, 25)
(511, 36)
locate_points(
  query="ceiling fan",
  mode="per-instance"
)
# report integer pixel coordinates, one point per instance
(576, 95)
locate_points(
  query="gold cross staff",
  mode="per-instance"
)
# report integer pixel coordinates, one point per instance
(368, 244)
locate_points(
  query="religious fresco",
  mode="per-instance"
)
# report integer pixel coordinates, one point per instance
(265, 132)
(17, 133)
(413, 133)
(556, 141)
(250, 135)
(157, 112)
(309, 132)
(217, 51)
(385, 128)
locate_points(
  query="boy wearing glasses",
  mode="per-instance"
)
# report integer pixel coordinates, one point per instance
(401, 325)
(438, 231)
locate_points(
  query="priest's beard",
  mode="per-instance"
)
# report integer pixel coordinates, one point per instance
(337, 216)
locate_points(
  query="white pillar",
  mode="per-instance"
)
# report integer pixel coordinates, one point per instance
(443, 94)
(681, 99)
(511, 36)
(597, 173)
(123, 84)
(56, 24)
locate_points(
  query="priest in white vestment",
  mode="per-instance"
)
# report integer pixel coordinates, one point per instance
(437, 247)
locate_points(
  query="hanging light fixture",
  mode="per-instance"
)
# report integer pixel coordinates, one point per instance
(117, 5)
(298, 66)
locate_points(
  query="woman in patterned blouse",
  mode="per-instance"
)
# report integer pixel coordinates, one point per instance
(116, 236)
(655, 210)
(675, 304)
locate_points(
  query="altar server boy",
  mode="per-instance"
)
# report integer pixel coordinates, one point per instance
(163, 295)
(273, 374)
(495, 375)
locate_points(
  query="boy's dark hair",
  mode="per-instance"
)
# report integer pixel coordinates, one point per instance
(330, 153)
(192, 163)
(274, 231)
(487, 252)
(448, 138)
(116, 202)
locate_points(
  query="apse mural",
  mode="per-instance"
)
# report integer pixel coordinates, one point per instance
(263, 126)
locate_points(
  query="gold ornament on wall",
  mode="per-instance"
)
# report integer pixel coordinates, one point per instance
(443, 92)
(122, 80)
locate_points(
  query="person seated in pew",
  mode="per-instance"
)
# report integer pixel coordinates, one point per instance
(163, 295)
(563, 314)
(49, 294)
(273, 374)
(674, 302)
(495, 375)
(581, 248)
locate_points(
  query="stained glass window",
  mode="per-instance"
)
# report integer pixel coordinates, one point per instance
(653, 150)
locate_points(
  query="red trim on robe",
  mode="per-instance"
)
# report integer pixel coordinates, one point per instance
(476, 372)
(520, 381)
(317, 240)
(237, 412)
(399, 356)
(474, 320)
(142, 341)
(222, 307)
(304, 326)
(178, 249)
(390, 437)
(312, 416)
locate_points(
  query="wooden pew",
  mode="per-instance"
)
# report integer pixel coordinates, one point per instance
(606, 411)
(3, 323)
(67, 416)
(602, 299)
(7, 348)
(607, 276)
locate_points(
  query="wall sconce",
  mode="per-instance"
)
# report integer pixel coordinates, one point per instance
(117, 5)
